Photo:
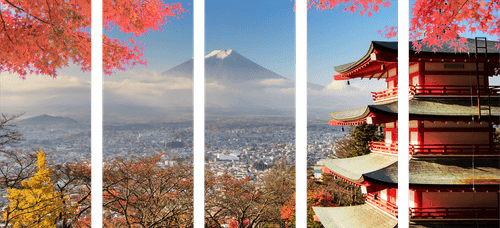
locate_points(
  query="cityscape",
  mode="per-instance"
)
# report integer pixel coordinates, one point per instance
(239, 147)
(250, 126)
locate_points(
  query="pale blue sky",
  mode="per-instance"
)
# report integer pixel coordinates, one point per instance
(264, 31)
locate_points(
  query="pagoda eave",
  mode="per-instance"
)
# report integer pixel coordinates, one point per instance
(369, 186)
(354, 170)
(421, 109)
(371, 118)
(369, 69)
(359, 216)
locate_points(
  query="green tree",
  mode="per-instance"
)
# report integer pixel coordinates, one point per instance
(356, 143)
(362, 135)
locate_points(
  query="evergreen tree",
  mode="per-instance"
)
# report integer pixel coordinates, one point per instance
(36, 204)
(361, 136)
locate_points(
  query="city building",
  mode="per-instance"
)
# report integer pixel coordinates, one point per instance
(454, 173)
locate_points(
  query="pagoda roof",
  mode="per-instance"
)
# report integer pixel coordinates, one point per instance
(392, 48)
(443, 171)
(423, 171)
(420, 107)
(360, 216)
(354, 168)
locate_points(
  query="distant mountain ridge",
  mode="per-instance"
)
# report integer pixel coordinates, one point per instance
(236, 87)
(229, 66)
(47, 120)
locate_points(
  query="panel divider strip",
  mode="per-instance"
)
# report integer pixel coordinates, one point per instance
(403, 113)
(199, 115)
(96, 88)
(300, 115)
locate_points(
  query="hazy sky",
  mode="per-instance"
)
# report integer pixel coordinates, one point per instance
(263, 31)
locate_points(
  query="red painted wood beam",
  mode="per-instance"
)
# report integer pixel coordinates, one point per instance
(488, 188)
(437, 72)
(449, 59)
(375, 119)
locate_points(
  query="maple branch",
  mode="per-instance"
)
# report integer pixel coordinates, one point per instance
(5, 28)
(48, 6)
(10, 3)
(463, 5)
(458, 10)
(36, 42)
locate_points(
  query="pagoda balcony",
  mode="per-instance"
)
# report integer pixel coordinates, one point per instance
(458, 213)
(386, 206)
(452, 91)
(435, 91)
(384, 148)
(454, 149)
(437, 149)
(385, 96)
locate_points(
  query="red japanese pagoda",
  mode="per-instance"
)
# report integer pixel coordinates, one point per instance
(454, 171)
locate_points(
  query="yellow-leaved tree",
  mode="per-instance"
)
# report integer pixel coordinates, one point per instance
(36, 204)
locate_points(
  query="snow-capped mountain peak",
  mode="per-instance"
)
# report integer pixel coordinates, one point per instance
(220, 54)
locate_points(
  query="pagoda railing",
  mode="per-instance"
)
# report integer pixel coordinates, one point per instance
(453, 149)
(454, 212)
(383, 147)
(436, 90)
(437, 149)
(453, 90)
(389, 94)
(384, 205)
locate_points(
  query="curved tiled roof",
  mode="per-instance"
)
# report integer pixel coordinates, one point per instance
(359, 216)
(352, 114)
(443, 171)
(444, 49)
(424, 106)
(354, 168)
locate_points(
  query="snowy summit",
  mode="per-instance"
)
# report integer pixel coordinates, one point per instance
(220, 54)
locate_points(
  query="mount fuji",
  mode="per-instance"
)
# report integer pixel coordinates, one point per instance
(230, 66)
(236, 85)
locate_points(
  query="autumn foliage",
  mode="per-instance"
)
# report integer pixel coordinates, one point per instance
(432, 23)
(40, 36)
(37, 203)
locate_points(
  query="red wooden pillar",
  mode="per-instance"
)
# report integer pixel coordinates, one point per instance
(420, 127)
(417, 198)
(498, 205)
(421, 77)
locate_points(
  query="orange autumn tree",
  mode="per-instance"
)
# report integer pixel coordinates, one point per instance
(329, 192)
(138, 192)
(40, 36)
(315, 198)
(433, 22)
